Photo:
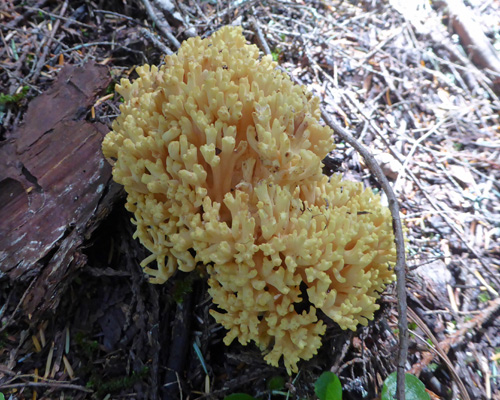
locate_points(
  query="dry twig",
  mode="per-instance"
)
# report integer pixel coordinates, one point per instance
(46, 42)
(400, 247)
(161, 23)
(49, 384)
(157, 42)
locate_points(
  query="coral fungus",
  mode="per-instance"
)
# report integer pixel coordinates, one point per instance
(220, 155)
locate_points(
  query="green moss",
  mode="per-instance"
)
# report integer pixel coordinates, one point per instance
(458, 146)
(484, 297)
(111, 87)
(114, 385)
(276, 54)
(3, 338)
(88, 347)
(13, 98)
(183, 285)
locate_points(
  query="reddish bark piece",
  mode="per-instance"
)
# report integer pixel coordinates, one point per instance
(52, 179)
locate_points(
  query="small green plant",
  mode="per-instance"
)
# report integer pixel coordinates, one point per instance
(458, 146)
(87, 346)
(276, 383)
(484, 297)
(328, 387)
(2, 397)
(13, 98)
(111, 87)
(276, 54)
(414, 388)
(432, 367)
(182, 286)
(412, 326)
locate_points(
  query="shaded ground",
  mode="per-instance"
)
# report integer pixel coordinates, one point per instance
(78, 319)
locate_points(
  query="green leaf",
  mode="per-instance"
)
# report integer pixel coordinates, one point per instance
(432, 367)
(414, 388)
(276, 383)
(328, 387)
(484, 297)
(239, 396)
(2, 397)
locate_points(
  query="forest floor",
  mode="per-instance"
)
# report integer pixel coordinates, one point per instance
(78, 318)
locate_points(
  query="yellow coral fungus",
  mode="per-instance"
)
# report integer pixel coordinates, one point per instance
(220, 155)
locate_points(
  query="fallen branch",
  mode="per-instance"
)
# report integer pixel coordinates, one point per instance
(50, 384)
(473, 39)
(161, 23)
(157, 42)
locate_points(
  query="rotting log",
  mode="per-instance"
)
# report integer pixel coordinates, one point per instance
(54, 187)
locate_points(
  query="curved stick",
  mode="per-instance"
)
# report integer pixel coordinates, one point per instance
(400, 247)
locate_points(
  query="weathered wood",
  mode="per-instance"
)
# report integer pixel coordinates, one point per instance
(53, 179)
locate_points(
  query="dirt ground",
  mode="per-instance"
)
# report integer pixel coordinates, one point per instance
(417, 84)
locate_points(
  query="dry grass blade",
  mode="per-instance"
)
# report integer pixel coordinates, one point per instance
(438, 350)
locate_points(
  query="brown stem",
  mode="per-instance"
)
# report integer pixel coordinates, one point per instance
(400, 248)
